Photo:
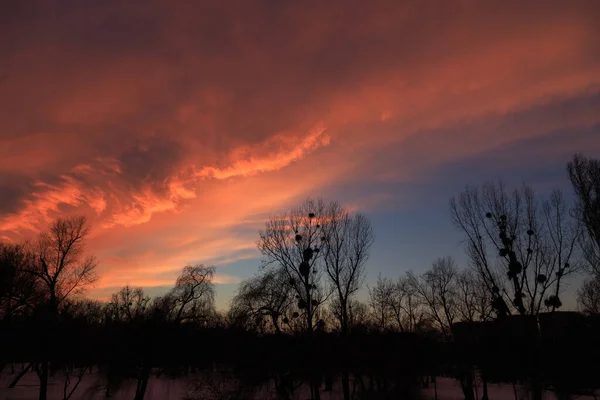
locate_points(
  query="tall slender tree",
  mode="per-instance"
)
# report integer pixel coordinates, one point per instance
(314, 241)
(437, 289)
(291, 243)
(520, 249)
(348, 240)
(584, 174)
(62, 270)
(346, 249)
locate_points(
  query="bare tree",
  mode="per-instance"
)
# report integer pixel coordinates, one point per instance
(84, 309)
(584, 174)
(62, 270)
(263, 302)
(473, 305)
(406, 308)
(380, 297)
(534, 247)
(359, 314)
(191, 300)
(439, 290)
(436, 290)
(588, 296)
(193, 297)
(291, 242)
(18, 292)
(348, 240)
(473, 300)
(396, 306)
(62, 267)
(128, 304)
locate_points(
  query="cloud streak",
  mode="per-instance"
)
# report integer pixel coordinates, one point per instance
(246, 164)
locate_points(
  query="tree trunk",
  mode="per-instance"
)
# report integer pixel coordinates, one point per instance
(484, 396)
(346, 385)
(316, 388)
(344, 320)
(281, 387)
(143, 383)
(328, 382)
(425, 381)
(43, 373)
(466, 383)
(21, 374)
(536, 389)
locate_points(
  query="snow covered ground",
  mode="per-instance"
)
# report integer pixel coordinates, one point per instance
(163, 389)
(449, 389)
(89, 388)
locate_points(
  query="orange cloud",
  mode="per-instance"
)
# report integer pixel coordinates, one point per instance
(245, 163)
(46, 202)
(139, 206)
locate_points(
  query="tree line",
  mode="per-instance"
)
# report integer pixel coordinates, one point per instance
(299, 324)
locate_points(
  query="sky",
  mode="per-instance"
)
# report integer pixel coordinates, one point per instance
(177, 128)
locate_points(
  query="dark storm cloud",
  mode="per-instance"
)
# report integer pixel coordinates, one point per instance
(150, 160)
(13, 189)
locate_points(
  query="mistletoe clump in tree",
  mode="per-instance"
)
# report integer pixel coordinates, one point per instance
(521, 249)
(292, 245)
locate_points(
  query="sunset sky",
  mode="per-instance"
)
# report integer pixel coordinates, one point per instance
(177, 127)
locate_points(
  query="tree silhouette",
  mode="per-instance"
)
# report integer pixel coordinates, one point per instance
(193, 297)
(535, 247)
(292, 242)
(382, 298)
(396, 306)
(348, 240)
(18, 292)
(436, 289)
(359, 315)
(190, 301)
(62, 270)
(473, 301)
(263, 303)
(128, 304)
(584, 174)
(588, 296)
